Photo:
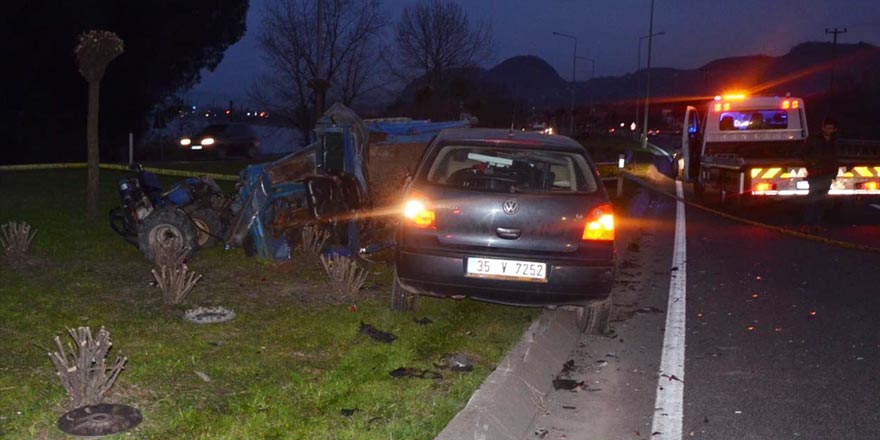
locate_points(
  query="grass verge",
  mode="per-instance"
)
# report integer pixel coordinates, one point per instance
(290, 365)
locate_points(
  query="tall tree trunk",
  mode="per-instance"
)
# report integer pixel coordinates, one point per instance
(92, 143)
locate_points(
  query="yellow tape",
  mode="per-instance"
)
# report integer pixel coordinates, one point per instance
(786, 231)
(41, 166)
(109, 166)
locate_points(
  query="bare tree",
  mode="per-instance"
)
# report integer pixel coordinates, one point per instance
(96, 49)
(437, 35)
(341, 49)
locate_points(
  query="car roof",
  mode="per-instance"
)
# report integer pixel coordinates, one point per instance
(508, 137)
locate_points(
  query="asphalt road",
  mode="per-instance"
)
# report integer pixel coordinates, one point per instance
(781, 333)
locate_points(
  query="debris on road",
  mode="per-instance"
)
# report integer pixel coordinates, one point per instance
(423, 321)
(377, 334)
(457, 362)
(414, 372)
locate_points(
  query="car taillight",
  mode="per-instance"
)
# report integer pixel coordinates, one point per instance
(419, 212)
(600, 224)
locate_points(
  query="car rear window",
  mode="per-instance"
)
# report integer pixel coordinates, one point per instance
(511, 170)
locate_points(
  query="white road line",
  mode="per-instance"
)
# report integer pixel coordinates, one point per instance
(875, 206)
(669, 404)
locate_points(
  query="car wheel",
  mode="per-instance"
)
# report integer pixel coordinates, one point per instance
(594, 318)
(401, 299)
(163, 225)
(209, 227)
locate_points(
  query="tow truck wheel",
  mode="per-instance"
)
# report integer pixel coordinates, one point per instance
(163, 225)
(594, 317)
(401, 299)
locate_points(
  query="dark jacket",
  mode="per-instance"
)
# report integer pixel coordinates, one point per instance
(820, 156)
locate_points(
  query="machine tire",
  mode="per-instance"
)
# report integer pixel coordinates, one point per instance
(209, 227)
(164, 224)
(594, 317)
(401, 299)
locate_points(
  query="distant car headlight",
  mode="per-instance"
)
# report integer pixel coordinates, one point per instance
(208, 141)
(185, 141)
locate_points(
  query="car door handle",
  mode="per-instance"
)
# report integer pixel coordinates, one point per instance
(509, 233)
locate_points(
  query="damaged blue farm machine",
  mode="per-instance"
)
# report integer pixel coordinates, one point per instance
(325, 185)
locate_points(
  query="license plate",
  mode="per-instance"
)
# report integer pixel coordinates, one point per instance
(507, 269)
(802, 184)
(196, 147)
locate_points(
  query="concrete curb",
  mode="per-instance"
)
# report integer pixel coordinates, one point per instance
(506, 404)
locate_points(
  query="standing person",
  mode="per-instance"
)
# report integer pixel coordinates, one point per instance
(820, 156)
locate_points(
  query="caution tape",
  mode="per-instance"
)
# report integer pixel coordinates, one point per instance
(786, 231)
(109, 166)
(41, 166)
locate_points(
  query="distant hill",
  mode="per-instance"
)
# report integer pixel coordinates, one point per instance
(529, 84)
(533, 80)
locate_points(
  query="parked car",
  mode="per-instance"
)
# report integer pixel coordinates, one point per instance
(509, 217)
(222, 140)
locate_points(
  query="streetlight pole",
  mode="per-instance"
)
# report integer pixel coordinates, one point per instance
(592, 74)
(648, 78)
(639, 67)
(573, 59)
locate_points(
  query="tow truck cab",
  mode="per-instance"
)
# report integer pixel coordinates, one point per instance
(752, 146)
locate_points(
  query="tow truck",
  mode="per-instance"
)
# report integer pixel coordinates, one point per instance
(751, 146)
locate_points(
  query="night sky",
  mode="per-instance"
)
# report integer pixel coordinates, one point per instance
(697, 31)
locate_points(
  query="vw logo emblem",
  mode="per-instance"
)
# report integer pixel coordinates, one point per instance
(510, 207)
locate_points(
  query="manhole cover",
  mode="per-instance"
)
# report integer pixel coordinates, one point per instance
(98, 420)
(208, 315)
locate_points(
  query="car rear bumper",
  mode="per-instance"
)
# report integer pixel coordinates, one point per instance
(443, 274)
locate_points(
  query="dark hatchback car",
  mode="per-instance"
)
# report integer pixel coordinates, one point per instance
(508, 217)
(222, 140)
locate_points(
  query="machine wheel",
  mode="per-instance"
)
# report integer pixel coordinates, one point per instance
(166, 224)
(594, 317)
(401, 299)
(209, 227)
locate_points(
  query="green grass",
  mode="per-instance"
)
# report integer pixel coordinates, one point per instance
(285, 367)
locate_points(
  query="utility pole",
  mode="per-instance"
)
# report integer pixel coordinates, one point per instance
(835, 32)
(573, 63)
(639, 68)
(648, 78)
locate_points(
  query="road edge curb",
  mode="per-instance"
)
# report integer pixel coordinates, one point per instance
(506, 403)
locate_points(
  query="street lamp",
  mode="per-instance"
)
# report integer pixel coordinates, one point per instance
(573, 58)
(648, 78)
(639, 67)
